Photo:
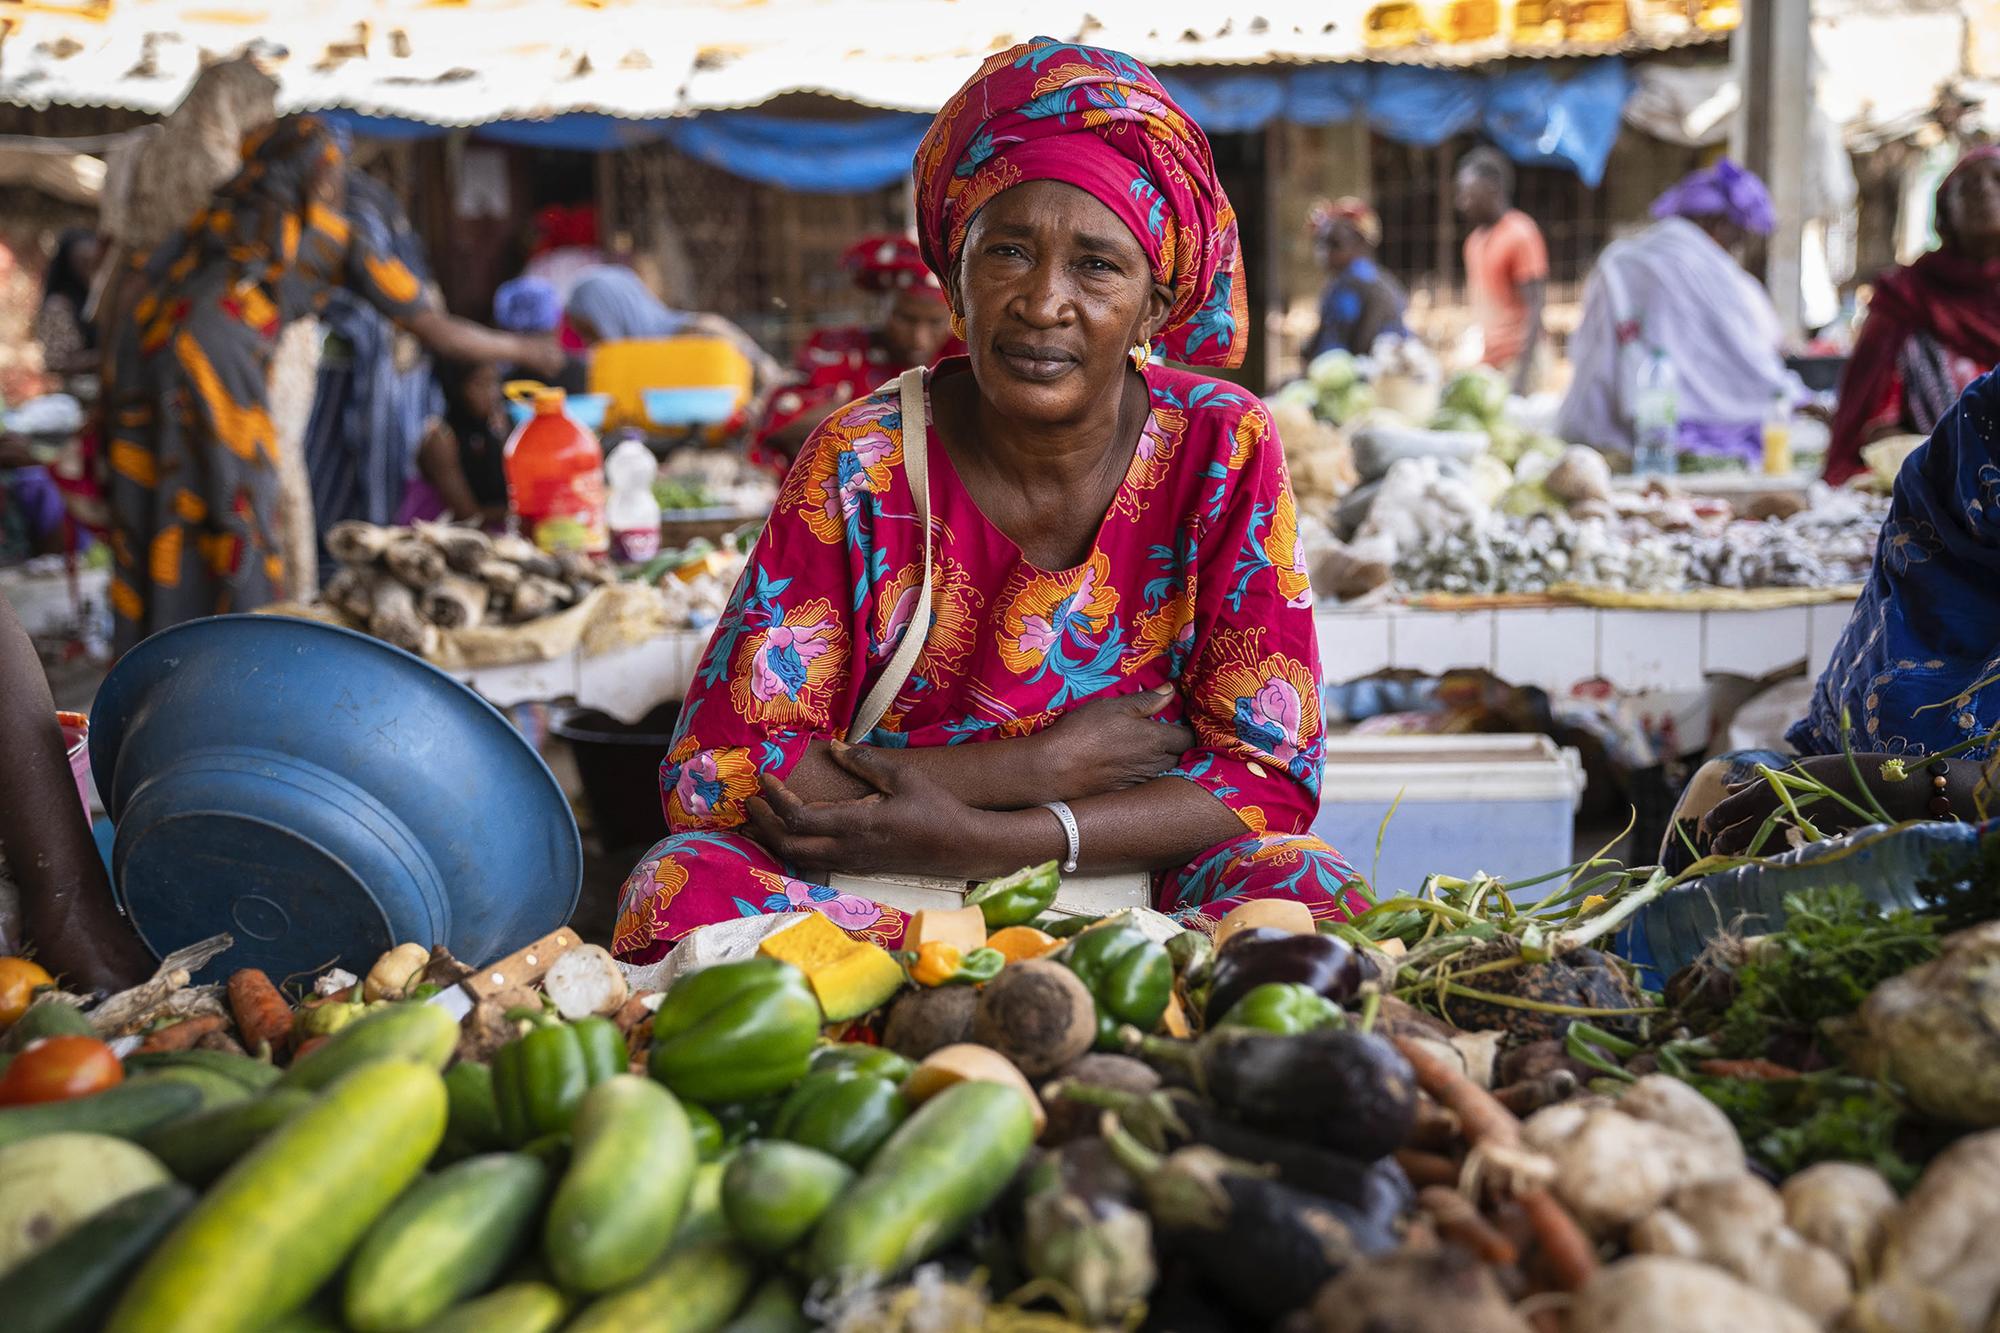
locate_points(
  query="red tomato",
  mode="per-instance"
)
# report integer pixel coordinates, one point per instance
(57, 1069)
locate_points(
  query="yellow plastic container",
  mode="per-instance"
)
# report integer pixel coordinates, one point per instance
(1538, 22)
(1467, 21)
(694, 381)
(1393, 24)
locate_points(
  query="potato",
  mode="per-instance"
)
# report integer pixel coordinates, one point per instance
(1938, 1249)
(1652, 1293)
(1841, 1207)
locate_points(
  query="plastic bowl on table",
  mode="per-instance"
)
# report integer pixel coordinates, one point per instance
(669, 408)
(322, 796)
(586, 409)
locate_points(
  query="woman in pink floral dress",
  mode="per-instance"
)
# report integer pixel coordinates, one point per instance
(1120, 615)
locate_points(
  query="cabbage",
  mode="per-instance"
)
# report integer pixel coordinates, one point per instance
(1479, 392)
(1334, 371)
(1298, 393)
(1344, 405)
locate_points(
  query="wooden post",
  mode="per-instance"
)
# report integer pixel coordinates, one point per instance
(1773, 52)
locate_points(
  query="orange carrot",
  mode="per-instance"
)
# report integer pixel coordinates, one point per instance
(1747, 1069)
(1427, 1168)
(262, 1015)
(1484, 1121)
(1458, 1221)
(183, 1035)
(1567, 1254)
(308, 1046)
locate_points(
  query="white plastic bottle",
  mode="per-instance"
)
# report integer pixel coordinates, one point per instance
(1778, 436)
(1656, 443)
(632, 514)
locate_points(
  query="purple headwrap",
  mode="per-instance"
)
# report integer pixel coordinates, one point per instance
(527, 305)
(1723, 190)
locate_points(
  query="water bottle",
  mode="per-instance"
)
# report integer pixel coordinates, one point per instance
(1656, 443)
(632, 513)
(1778, 436)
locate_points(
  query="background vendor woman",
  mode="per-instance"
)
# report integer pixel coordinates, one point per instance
(1120, 621)
(837, 364)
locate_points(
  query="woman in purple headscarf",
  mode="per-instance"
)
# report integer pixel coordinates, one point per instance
(1118, 669)
(1679, 288)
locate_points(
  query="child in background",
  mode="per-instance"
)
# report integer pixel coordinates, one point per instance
(459, 463)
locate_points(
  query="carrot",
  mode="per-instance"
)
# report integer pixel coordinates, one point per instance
(262, 1015)
(1458, 1221)
(1436, 1129)
(1750, 1069)
(1427, 1168)
(183, 1035)
(308, 1046)
(1483, 1120)
(1567, 1254)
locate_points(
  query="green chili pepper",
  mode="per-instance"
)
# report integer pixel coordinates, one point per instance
(864, 1059)
(1128, 975)
(472, 1118)
(1063, 927)
(735, 1031)
(1016, 899)
(539, 1078)
(1284, 1007)
(842, 1112)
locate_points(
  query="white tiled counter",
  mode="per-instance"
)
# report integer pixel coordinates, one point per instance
(1554, 648)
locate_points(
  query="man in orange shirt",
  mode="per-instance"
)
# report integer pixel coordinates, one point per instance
(1506, 264)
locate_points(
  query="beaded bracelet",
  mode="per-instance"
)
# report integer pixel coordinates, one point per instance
(1940, 803)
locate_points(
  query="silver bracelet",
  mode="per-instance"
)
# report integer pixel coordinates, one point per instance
(1061, 810)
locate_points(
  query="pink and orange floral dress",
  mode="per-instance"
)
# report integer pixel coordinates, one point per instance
(1195, 577)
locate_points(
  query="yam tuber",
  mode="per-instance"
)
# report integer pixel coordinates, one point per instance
(1616, 1163)
(1938, 1259)
(351, 592)
(395, 618)
(1651, 1293)
(585, 981)
(464, 549)
(1738, 1224)
(415, 562)
(1840, 1207)
(357, 543)
(1935, 1031)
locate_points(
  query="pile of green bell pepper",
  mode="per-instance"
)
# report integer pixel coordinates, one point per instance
(1129, 976)
(844, 1113)
(735, 1032)
(539, 1078)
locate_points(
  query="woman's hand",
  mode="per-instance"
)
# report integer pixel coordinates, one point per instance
(1108, 745)
(908, 823)
(1727, 829)
(543, 355)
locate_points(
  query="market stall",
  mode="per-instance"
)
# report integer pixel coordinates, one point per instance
(1467, 1106)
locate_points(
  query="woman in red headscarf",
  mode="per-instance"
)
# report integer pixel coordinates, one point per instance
(837, 364)
(1933, 326)
(1116, 666)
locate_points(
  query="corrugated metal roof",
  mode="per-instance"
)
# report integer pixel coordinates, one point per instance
(466, 62)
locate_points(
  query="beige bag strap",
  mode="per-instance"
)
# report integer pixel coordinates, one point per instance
(916, 465)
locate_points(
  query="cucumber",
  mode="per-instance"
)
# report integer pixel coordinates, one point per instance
(447, 1238)
(215, 1089)
(124, 1112)
(941, 1168)
(694, 1291)
(254, 1074)
(702, 1218)
(775, 1191)
(197, 1148)
(69, 1286)
(518, 1307)
(50, 1018)
(282, 1220)
(420, 1032)
(775, 1307)
(628, 1181)
(311, 1319)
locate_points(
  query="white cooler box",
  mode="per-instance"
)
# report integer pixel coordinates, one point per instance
(1502, 804)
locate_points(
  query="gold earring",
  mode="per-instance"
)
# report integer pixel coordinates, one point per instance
(958, 326)
(1142, 354)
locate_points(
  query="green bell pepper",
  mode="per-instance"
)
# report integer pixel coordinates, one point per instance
(709, 1139)
(539, 1078)
(1284, 1007)
(735, 1032)
(472, 1117)
(1016, 899)
(842, 1112)
(864, 1059)
(1065, 927)
(1130, 977)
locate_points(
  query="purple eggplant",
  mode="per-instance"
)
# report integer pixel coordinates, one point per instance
(1325, 964)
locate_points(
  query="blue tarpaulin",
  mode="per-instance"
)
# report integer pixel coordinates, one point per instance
(1534, 113)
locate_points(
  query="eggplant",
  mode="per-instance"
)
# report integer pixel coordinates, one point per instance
(1263, 1246)
(1085, 1229)
(1325, 963)
(1342, 1089)
(1177, 1118)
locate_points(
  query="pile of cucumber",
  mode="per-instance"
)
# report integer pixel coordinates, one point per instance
(341, 1194)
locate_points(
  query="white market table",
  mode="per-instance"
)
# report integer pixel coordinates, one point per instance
(1553, 648)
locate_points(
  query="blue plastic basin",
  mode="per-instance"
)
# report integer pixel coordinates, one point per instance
(586, 409)
(690, 407)
(322, 797)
